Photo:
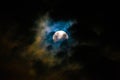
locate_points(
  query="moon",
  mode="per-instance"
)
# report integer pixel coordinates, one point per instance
(60, 35)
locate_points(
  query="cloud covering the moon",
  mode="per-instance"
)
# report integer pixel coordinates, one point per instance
(44, 48)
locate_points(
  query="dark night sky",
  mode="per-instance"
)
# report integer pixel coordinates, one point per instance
(95, 25)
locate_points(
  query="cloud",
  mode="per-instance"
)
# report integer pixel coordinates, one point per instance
(44, 48)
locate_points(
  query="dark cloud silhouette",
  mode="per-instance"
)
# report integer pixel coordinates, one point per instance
(96, 57)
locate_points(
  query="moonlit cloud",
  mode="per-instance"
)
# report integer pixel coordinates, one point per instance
(44, 48)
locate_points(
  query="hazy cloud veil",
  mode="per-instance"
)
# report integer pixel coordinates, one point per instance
(45, 48)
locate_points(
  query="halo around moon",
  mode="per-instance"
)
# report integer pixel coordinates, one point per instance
(60, 35)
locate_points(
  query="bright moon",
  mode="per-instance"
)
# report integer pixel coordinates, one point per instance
(60, 35)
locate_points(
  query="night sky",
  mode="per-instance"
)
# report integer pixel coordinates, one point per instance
(95, 55)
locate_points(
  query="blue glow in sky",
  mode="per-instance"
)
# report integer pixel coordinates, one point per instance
(49, 27)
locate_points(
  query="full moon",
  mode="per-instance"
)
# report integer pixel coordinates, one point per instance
(60, 35)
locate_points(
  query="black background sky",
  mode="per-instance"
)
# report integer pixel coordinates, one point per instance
(101, 58)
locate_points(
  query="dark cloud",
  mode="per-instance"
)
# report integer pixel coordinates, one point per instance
(95, 57)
